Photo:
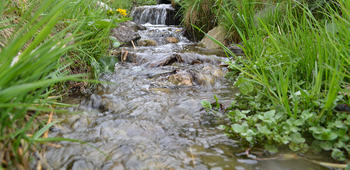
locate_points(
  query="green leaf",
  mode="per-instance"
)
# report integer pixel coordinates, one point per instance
(269, 114)
(271, 148)
(338, 154)
(339, 124)
(285, 139)
(237, 128)
(296, 138)
(316, 144)
(279, 115)
(115, 41)
(317, 130)
(264, 130)
(107, 64)
(246, 87)
(222, 127)
(104, 23)
(206, 104)
(306, 115)
(325, 135)
(217, 102)
(298, 122)
(280, 109)
(327, 145)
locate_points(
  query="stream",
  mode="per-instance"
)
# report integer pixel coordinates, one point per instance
(151, 117)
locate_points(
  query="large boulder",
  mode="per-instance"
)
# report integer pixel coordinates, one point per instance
(218, 33)
(125, 34)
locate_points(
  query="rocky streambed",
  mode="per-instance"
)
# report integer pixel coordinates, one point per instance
(151, 117)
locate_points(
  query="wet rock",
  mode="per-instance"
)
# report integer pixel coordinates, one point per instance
(217, 72)
(146, 42)
(218, 33)
(133, 25)
(125, 34)
(172, 40)
(166, 60)
(181, 78)
(204, 79)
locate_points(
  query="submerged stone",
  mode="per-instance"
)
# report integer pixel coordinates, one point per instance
(146, 42)
(172, 39)
(181, 78)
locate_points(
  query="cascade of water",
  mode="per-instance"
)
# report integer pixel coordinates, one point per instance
(155, 14)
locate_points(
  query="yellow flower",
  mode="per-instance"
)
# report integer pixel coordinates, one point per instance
(122, 11)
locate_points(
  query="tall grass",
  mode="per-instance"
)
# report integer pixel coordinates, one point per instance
(295, 52)
(31, 63)
(299, 62)
(200, 13)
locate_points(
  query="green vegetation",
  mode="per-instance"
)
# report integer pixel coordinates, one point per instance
(200, 13)
(47, 47)
(295, 72)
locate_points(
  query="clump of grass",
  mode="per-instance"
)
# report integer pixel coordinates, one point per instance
(198, 12)
(26, 80)
(295, 67)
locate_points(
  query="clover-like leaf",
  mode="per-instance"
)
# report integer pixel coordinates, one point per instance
(271, 148)
(296, 138)
(316, 144)
(326, 135)
(317, 130)
(264, 130)
(306, 115)
(115, 41)
(327, 145)
(222, 127)
(206, 104)
(269, 114)
(298, 122)
(246, 87)
(107, 64)
(237, 128)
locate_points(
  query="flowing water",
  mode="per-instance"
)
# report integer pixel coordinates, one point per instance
(151, 118)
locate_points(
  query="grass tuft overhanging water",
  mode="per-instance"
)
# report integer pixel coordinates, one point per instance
(294, 76)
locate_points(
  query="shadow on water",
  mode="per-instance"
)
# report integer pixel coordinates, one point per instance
(151, 118)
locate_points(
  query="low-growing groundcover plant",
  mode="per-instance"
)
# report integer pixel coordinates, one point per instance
(294, 74)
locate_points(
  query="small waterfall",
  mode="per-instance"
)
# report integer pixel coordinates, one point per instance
(156, 14)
